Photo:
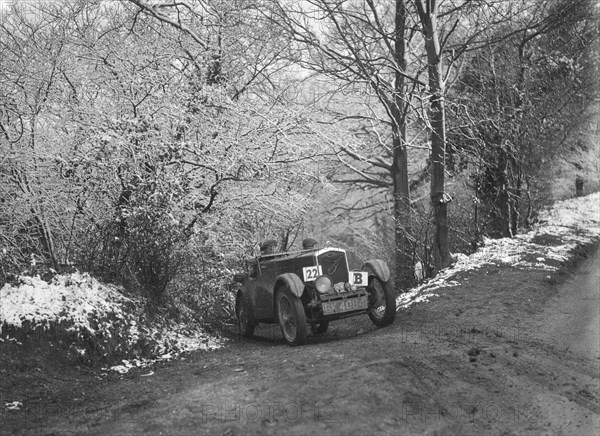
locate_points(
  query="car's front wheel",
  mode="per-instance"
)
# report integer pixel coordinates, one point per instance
(245, 326)
(382, 302)
(291, 317)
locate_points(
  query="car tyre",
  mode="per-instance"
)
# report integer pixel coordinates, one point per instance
(382, 302)
(291, 316)
(242, 312)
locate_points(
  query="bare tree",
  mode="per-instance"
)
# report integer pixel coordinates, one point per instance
(428, 11)
(516, 106)
(363, 46)
(123, 156)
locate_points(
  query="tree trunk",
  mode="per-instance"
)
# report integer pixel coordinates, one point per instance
(46, 236)
(403, 268)
(504, 200)
(439, 200)
(516, 202)
(579, 186)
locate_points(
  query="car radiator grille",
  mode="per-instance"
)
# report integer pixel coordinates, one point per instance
(334, 265)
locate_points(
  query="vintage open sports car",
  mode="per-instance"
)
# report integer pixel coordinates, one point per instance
(312, 287)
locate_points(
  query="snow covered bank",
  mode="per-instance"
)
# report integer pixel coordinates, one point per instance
(75, 298)
(96, 321)
(559, 230)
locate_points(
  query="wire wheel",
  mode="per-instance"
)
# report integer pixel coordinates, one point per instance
(382, 302)
(245, 327)
(291, 317)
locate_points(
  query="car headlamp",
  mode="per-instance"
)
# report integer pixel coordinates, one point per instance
(323, 284)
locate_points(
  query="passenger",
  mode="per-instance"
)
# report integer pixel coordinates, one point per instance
(309, 244)
(267, 248)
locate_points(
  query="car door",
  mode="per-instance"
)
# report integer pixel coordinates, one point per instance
(265, 281)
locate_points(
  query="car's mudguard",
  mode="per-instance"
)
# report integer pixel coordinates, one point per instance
(377, 268)
(259, 300)
(293, 283)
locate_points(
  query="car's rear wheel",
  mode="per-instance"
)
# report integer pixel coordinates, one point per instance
(245, 326)
(382, 302)
(319, 328)
(291, 317)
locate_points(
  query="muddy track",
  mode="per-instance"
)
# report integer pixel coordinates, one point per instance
(505, 352)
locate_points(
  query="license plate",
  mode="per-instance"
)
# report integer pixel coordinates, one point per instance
(347, 305)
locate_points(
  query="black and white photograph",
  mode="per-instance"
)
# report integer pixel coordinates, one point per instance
(300, 217)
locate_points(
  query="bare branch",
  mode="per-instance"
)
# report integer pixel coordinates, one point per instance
(154, 10)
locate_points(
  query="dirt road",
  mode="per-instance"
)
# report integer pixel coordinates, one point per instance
(573, 319)
(571, 322)
(505, 351)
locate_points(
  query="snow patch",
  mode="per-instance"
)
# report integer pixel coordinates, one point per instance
(77, 298)
(14, 405)
(80, 305)
(569, 223)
